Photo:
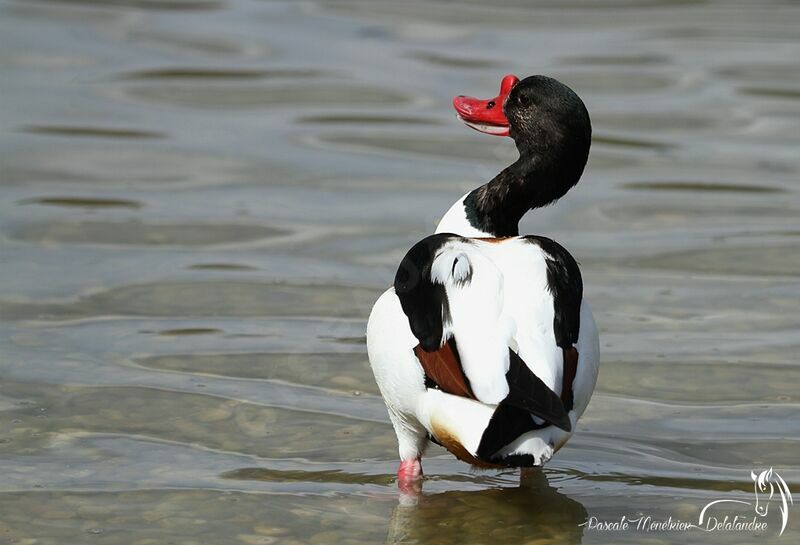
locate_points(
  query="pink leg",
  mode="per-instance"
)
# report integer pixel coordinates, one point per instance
(409, 476)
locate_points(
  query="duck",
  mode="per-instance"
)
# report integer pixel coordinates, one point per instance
(485, 344)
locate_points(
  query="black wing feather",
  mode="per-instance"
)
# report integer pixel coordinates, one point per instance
(507, 423)
(528, 395)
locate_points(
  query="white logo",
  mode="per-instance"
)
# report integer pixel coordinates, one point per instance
(765, 484)
(768, 485)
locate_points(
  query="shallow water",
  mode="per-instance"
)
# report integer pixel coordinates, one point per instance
(202, 198)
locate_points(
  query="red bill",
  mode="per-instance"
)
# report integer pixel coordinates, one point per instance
(486, 115)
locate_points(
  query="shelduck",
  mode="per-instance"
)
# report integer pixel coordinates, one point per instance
(485, 343)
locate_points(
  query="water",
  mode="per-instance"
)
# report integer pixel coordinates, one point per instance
(200, 199)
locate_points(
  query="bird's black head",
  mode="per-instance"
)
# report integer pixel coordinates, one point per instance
(546, 119)
(553, 133)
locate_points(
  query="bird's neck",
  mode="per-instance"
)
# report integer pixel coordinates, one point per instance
(495, 208)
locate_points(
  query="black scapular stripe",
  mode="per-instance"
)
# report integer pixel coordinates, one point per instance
(424, 302)
(566, 286)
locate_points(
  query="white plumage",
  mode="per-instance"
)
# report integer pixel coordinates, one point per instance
(506, 303)
(486, 345)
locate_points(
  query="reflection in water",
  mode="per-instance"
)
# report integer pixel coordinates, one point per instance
(534, 510)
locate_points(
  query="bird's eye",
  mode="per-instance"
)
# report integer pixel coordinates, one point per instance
(523, 100)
